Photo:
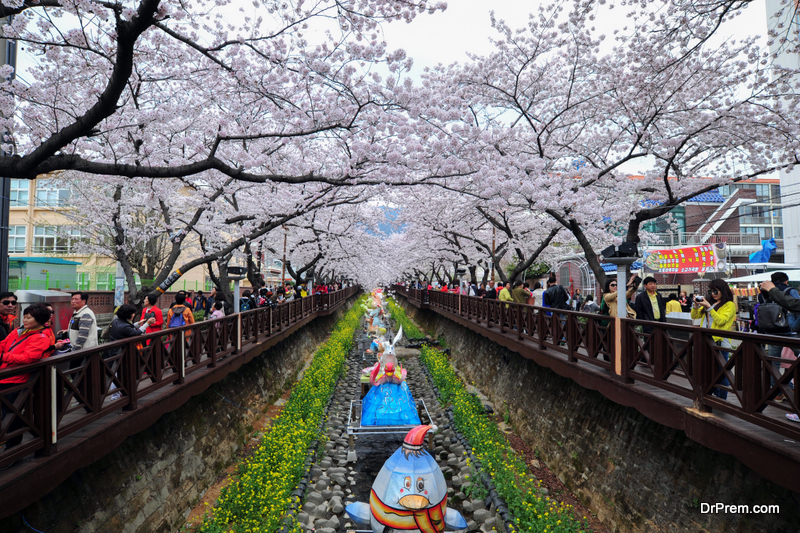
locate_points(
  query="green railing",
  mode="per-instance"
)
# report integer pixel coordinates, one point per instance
(86, 282)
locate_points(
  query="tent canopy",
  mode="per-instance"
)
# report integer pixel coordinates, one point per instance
(794, 275)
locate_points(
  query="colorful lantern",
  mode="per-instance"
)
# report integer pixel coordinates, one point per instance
(409, 493)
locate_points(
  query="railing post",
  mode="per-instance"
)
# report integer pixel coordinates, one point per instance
(591, 340)
(657, 340)
(95, 381)
(519, 321)
(752, 390)
(238, 332)
(212, 344)
(129, 369)
(181, 344)
(701, 373)
(45, 408)
(541, 328)
(572, 337)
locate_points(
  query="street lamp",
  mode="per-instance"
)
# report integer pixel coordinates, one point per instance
(236, 273)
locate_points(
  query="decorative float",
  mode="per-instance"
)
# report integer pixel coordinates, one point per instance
(409, 493)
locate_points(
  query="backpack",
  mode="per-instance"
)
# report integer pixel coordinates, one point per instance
(244, 304)
(177, 319)
(772, 317)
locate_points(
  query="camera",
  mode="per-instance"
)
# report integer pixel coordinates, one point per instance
(698, 299)
(636, 282)
(148, 316)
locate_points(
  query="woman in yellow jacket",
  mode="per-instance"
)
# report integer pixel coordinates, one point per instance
(718, 315)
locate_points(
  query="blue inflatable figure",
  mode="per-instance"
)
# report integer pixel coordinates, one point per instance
(409, 493)
(389, 402)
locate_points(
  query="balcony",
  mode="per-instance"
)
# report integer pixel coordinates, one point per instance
(674, 240)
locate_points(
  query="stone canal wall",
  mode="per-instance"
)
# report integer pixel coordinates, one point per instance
(153, 480)
(635, 474)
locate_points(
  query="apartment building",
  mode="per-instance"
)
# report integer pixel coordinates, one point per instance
(38, 228)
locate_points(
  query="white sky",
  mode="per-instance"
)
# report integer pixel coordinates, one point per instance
(446, 37)
(465, 27)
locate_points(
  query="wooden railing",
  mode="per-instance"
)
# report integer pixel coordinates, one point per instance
(683, 360)
(65, 393)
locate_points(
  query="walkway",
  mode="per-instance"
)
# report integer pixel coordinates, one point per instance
(68, 410)
(667, 375)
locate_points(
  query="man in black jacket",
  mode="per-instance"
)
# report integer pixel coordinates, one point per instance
(782, 294)
(556, 296)
(649, 305)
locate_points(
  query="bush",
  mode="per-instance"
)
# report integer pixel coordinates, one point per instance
(509, 472)
(399, 315)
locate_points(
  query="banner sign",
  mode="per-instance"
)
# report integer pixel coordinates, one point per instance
(689, 260)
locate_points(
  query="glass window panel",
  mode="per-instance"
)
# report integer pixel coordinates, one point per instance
(50, 193)
(16, 239)
(19, 193)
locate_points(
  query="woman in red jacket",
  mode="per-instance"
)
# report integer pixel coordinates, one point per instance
(23, 345)
(152, 310)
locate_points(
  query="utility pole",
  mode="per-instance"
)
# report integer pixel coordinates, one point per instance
(8, 47)
(283, 263)
(493, 235)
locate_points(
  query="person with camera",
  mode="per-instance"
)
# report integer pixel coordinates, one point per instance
(123, 326)
(778, 292)
(151, 310)
(608, 306)
(717, 312)
(650, 305)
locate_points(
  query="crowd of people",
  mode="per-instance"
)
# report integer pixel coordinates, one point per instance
(34, 337)
(717, 310)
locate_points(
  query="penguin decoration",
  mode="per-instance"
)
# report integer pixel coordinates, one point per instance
(409, 493)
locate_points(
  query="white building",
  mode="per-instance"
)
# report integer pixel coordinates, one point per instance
(790, 181)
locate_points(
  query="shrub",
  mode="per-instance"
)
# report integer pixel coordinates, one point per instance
(399, 315)
(510, 473)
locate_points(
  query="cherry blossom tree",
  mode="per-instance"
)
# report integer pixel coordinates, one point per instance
(174, 89)
(566, 119)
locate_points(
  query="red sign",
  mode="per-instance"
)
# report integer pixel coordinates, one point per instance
(694, 259)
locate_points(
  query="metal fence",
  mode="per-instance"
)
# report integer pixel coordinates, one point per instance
(85, 281)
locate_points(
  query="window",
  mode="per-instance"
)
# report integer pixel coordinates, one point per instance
(778, 233)
(19, 193)
(762, 193)
(775, 191)
(55, 239)
(49, 193)
(16, 239)
(763, 233)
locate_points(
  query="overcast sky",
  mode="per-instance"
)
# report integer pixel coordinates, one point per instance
(465, 27)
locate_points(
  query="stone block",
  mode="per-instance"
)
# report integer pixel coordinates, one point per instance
(480, 515)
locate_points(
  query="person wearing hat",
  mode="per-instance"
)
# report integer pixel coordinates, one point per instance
(650, 305)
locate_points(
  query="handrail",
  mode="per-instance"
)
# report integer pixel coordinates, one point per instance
(67, 392)
(683, 360)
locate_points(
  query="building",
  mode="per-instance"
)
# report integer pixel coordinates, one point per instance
(741, 215)
(38, 228)
(789, 180)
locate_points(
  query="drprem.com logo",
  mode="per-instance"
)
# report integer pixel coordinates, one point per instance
(719, 508)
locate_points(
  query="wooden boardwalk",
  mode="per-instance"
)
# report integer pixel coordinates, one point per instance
(77, 407)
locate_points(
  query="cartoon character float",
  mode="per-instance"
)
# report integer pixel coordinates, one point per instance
(409, 493)
(389, 402)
